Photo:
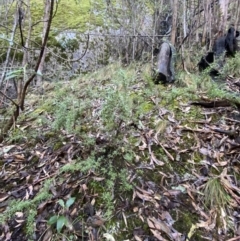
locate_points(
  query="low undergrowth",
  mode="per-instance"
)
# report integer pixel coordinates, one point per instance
(132, 153)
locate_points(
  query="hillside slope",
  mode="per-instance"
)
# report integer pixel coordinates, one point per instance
(112, 156)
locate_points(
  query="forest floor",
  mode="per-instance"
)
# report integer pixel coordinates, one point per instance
(111, 156)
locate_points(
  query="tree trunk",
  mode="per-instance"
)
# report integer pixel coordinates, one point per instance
(25, 50)
(223, 4)
(174, 22)
(237, 15)
(164, 73)
(207, 20)
(15, 24)
(45, 24)
(184, 19)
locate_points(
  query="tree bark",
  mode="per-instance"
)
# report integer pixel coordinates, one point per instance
(174, 22)
(25, 50)
(223, 4)
(237, 15)
(45, 24)
(15, 24)
(184, 19)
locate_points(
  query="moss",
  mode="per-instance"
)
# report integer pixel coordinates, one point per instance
(57, 145)
(133, 222)
(185, 220)
(145, 107)
(50, 134)
(45, 107)
(75, 15)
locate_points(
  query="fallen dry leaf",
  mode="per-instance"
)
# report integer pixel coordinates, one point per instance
(3, 196)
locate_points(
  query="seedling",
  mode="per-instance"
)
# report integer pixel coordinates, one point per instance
(62, 220)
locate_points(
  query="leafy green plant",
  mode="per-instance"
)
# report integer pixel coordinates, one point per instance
(17, 135)
(62, 220)
(67, 112)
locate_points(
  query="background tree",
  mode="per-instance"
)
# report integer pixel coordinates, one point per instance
(223, 9)
(174, 20)
(19, 105)
(47, 8)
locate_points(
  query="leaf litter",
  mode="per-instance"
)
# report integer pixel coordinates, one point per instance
(168, 202)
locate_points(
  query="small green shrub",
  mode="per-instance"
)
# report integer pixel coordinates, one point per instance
(232, 66)
(62, 220)
(117, 107)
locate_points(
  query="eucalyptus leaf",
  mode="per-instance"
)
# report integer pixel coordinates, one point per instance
(70, 202)
(53, 220)
(61, 202)
(60, 223)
